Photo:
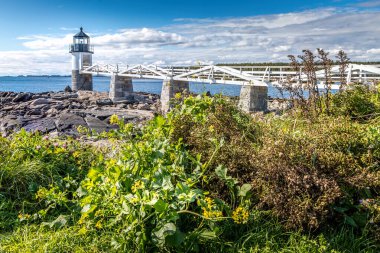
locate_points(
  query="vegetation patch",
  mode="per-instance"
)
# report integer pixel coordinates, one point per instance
(205, 178)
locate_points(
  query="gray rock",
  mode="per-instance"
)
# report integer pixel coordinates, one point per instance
(64, 96)
(40, 101)
(69, 120)
(143, 106)
(34, 112)
(11, 123)
(59, 106)
(104, 101)
(37, 106)
(51, 112)
(43, 125)
(21, 97)
(75, 105)
(96, 124)
(8, 108)
(68, 89)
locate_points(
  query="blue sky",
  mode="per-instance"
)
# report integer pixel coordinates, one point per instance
(35, 34)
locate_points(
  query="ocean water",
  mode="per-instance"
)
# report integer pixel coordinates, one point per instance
(58, 83)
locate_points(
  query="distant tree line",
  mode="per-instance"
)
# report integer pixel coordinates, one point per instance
(337, 62)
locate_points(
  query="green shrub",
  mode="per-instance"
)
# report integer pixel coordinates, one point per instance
(217, 131)
(299, 169)
(358, 102)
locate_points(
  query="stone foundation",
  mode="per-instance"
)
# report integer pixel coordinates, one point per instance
(81, 81)
(120, 87)
(253, 98)
(169, 89)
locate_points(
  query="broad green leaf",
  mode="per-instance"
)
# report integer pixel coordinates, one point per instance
(166, 230)
(340, 209)
(176, 239)
(244, 189)
(350, 221)
(160, 206)
(221, 172)
(207, 234)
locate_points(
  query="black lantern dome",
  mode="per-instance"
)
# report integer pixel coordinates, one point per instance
(81, 34)
(81, 43)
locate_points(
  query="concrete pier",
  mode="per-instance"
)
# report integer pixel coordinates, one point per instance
(120, 87)
(253, 98)
(169, 89)
(81, 81)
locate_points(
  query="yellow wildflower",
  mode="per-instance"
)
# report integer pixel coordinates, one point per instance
(81, 220)
(41, 193)
(82, 129)
(212, 214)
(99, 213)
(210, 210)
(82, 231)
(98, 224)
(59, 151)
(138, 185)
(114, 120)
(134, 200)
(211, 128)
(240, 215)
(23, 216)
(209, 201)
(177, 95)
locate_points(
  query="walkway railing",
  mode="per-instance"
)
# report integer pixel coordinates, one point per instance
(238, 75)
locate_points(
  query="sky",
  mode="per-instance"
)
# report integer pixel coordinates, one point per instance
(35, 35)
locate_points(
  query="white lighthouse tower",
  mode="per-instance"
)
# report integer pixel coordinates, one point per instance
(81, 51)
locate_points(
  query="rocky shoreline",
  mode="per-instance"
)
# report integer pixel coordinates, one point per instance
(63, 112)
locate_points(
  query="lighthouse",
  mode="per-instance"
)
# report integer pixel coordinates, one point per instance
(81, 51)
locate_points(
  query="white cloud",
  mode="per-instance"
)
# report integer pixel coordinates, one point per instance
(188, 41)
(47, 42)
(373, 51)
(148, 37)
(373, 3)
(282, 48)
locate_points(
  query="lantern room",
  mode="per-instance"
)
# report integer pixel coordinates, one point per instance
(81, 43)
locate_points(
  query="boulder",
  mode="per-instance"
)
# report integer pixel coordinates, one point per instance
(40, 101)
(68, 89)
(96, 124)
(37, 106)
(69, 120)
(11, 123)
(64, 96)
(104, 101)
(33, 112)
(44, 125)
(21, 97)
